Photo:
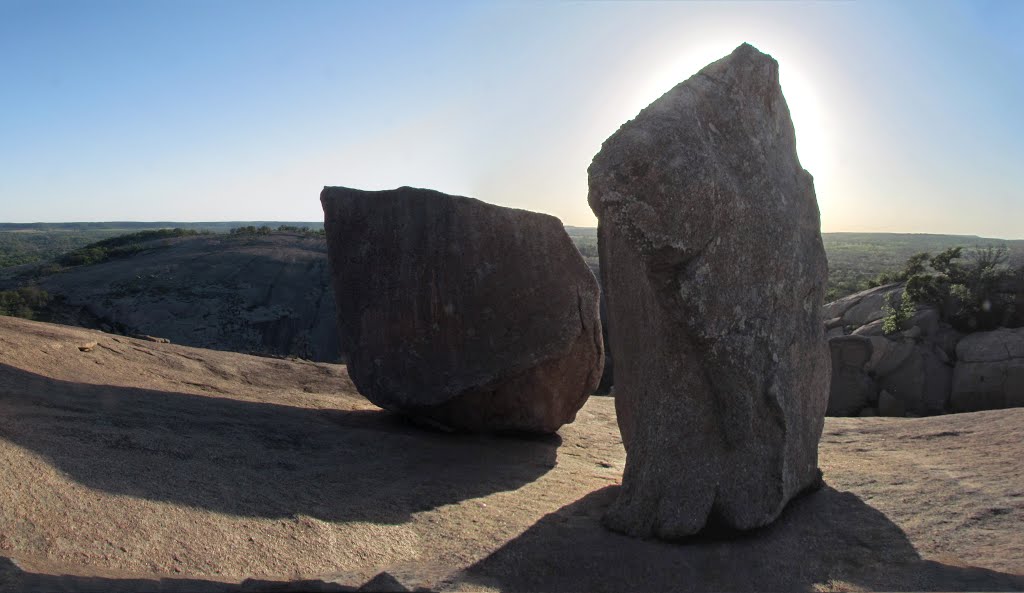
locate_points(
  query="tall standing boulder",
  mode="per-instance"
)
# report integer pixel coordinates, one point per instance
(466, 314)
(711, 256)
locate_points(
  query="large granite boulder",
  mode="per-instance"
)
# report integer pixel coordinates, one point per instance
(714, 269)
(462, 313)
(920, 380)
(989, 371)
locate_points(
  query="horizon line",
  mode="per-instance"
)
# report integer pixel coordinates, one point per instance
(320, 222)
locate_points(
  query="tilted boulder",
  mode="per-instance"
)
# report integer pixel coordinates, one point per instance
(466, 314)
(712, 260)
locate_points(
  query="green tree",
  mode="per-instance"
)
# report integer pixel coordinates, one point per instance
(27, 302)
(971, 295)
(897, 313)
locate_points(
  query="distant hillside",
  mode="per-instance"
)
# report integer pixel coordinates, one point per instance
(254, 293)
(855, 258)
(585, 239)
(131, 226)
(266, 292)
(35, 242)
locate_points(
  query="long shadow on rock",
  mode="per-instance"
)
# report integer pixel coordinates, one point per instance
(258, 459)
(13, 578)
(825, 539)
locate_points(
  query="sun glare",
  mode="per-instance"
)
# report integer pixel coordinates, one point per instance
(804, 106)
(808, 120)
(671, 73)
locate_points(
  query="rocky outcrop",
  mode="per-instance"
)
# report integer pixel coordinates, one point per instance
(924, 368)
(989, 371)
(714, 269)
(890, 405)
(857, 310)
(911, 366)
(852, 389)
(920, 381)
(462, 313)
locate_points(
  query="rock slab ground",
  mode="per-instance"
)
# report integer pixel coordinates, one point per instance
(712, 259)
(471, 315)
(140, 466)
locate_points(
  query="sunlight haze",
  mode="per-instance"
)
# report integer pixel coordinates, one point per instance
(906, 114)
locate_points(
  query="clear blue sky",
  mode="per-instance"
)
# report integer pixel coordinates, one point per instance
(909, 114)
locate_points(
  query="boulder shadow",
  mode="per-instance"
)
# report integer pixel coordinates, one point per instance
(824, 540)
(14, 579)
(258, 459)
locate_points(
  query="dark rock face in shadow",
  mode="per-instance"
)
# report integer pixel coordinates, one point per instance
(824, 539)
(246, 459)
(608, 375)
(253, 294)
(475, 316)
(714, 271)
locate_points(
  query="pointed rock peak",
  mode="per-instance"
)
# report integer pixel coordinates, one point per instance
(747, 66)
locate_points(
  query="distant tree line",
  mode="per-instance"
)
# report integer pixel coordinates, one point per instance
(120, 246)
(284, 228)
(27, 302)
(30, 247)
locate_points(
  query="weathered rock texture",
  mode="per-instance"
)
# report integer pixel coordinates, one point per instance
(852, 389)
(989, 371)
(712, 260)
(925, 368)
(860, 309)
(471, 315)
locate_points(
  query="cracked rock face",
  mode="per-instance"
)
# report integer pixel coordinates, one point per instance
(465, 314)
(712, 260)
(990, 371)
